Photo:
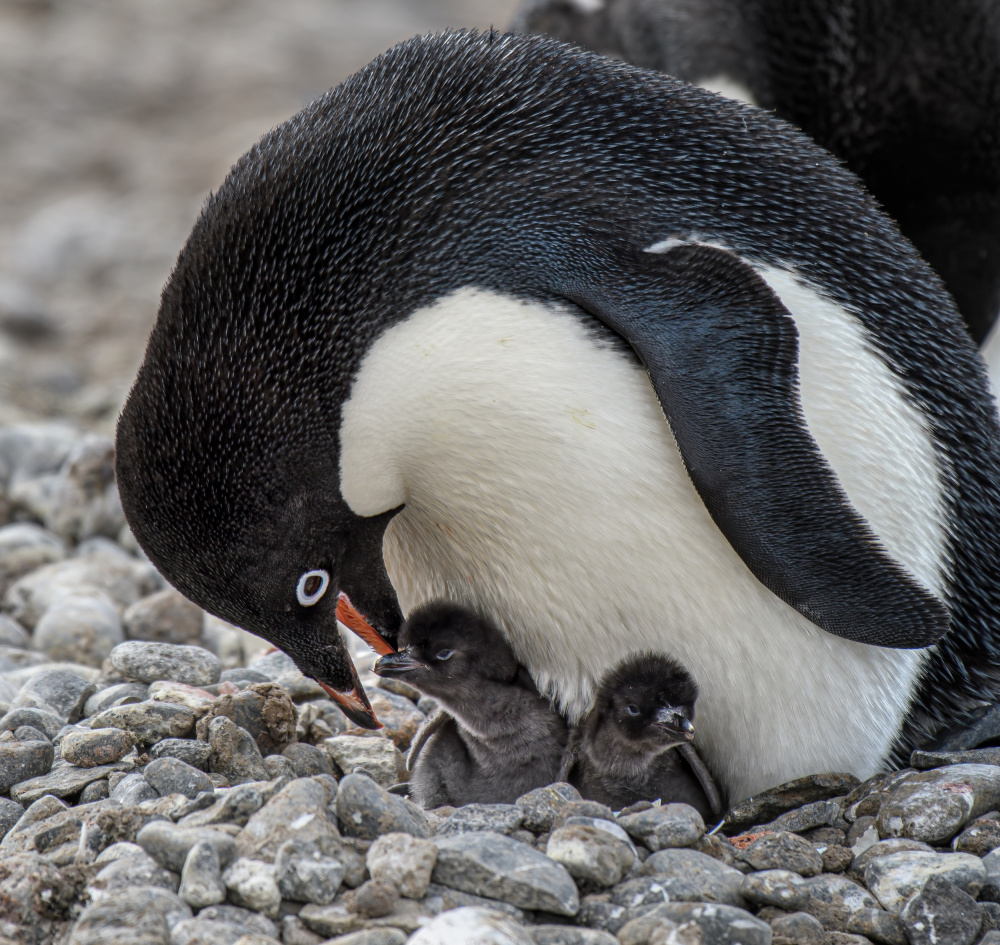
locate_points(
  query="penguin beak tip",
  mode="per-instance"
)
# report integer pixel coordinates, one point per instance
(355, 705)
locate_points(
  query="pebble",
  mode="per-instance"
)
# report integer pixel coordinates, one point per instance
(896, 877)
(12, 634)
(307, 760)
(234, 753)
(22, 761)
(173, 776)
(279, 668)
(253, 883)
(784, 851)
(170, 844)
(195, 753)
(304, 874)
(10, 813)
(379, 757)
(145, 915)
(500, 818)
(597, 851)
(372, 899)
(934, 805)
(877, 925)
(265, 710)
(565, 935)
(191, 697)
(694, 877)
(404, 861)
(471, 925)
(64, 780)
(25, 546)
(201, 877)
(102, 746)
(495, 866)
(979, 838)
(719, 924)
(149, 721)
(541, 805)
(810, 817)
(82, 628)
(132, 790)
(366, 810)
(60, 693)
(141, 870)
(941, 912)
(399, 716)
(797, 928)
(119, 694)
(765, 806)
(780, 888)
(164, 617)
(669, 825)
(149, 662)
(296, 812)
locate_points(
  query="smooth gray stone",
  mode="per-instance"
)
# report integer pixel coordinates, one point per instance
(164, 617)
(234, 806)
(541, 805)
(500, 818)
(306, 875)
(83, 627)
(201, 931)
(878, 926)
(366, 810)
(666, 826)
(28, 733)
(896, 877)
(148, 912)
(985, 728)
(234, 753)
(149, 662)
(119, 694)
(933, 806)
(278, 766)
(95, 791)
(809, 817)
(279, 667)
(10, 813)
(132, 790)
(13, 634)
(25, 546)
(592, 850)
(941, 912)
(22, 761)
(172, 776)
(169, 844)
(925, 760)
(307, 760)
(190, 751)
(782, 889)
(64, 780)
(253, 922)
(691, 876)
(201, 877)
(495, 866)
(133, 871)
(48, 723)
(719, 924)
(243, 676)
(767, 805)
(484, 926)
(149, 721)
(801, 928)
(61, 693)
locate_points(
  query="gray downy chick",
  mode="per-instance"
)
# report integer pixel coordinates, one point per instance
(635, 742)
(497, 736)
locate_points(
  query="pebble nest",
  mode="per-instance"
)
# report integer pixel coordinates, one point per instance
(167, 779)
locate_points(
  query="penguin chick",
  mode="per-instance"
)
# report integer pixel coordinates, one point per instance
(635, 742)
(498, 737)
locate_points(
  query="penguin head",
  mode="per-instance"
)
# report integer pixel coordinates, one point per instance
(447, 650)
(648, 701)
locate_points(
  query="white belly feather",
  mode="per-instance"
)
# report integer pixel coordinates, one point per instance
(542, 485)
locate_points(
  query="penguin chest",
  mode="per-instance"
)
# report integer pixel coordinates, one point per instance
(541, 485)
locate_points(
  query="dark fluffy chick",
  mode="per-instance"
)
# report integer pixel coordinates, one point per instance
(635, 742)
(496, 737)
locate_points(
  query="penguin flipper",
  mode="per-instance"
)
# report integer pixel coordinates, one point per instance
(423, 734)
(700, 770)
(721, 351)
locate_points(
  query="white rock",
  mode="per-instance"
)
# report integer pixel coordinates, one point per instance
(896, 877)
(471, 925)
(378, 756)
(255, 883)
(403, 861)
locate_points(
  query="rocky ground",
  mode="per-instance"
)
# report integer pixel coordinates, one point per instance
(166, 779)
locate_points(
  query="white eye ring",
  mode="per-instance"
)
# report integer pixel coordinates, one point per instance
(307, 600)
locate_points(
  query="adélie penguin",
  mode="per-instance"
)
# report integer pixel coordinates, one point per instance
(497, 737)
(906, 92)
(635, 742)
(617, 363)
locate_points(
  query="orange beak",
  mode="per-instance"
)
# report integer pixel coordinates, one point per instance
(350, 618)
(354, 703)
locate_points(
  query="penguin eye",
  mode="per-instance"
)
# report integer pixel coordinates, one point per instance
(632, 709)
(312, 586)
(445, 655)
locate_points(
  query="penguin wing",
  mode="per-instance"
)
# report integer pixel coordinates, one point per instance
(423, 734)
(722, 351)
(700, 770)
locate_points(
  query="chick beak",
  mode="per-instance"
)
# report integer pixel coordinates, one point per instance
(354, 703)
(670, 720)
(397, 664)
(349, 616)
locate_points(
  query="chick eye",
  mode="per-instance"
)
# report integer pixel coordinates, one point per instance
(445, 655)
(632, 709)
(312, 586)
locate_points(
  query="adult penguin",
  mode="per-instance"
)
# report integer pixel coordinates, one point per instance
(905, 92)
(614, 361)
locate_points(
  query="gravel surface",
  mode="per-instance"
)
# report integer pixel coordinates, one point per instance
(164, 779)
